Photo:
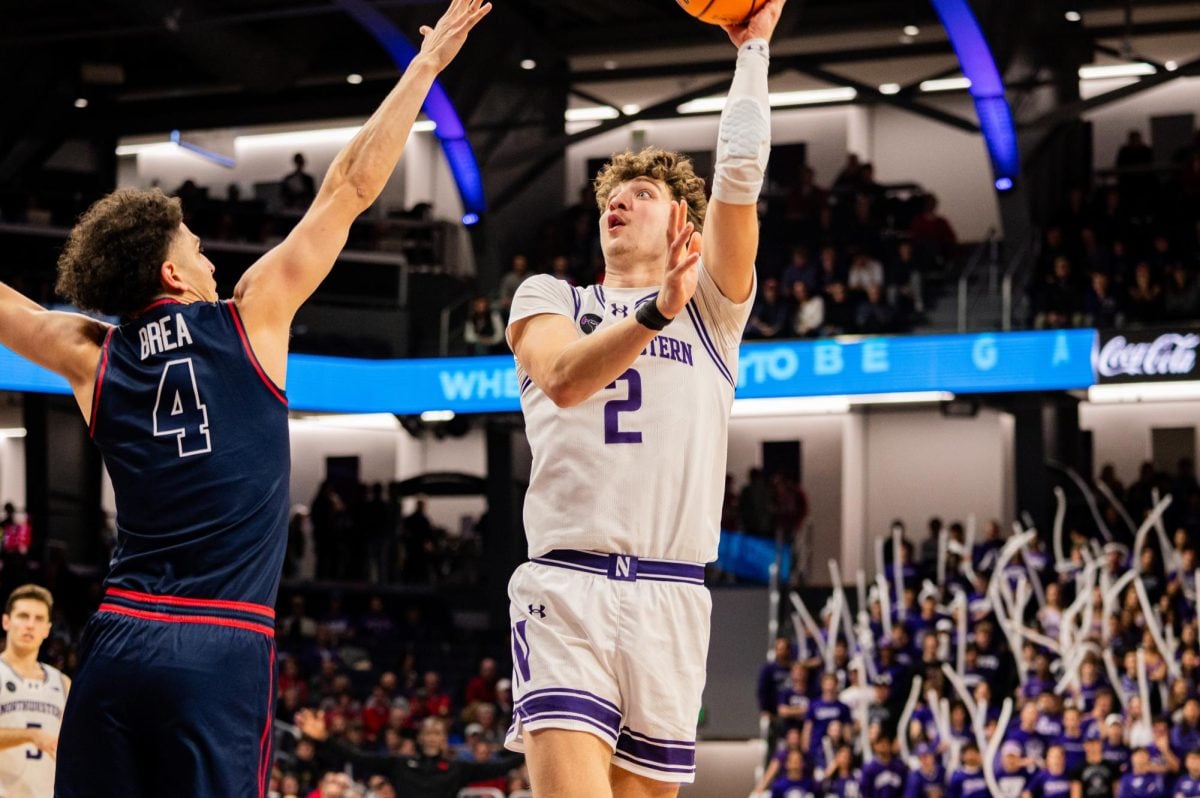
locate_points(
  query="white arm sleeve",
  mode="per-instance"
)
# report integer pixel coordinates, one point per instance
(744, 140)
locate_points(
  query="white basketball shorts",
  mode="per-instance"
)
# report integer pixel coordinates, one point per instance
(615, 646)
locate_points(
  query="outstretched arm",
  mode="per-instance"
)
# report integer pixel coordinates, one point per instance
(272, 290)
(744, 143)
(66, 343)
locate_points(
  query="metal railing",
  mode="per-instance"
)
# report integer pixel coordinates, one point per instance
(988, 252)
(1014, 277)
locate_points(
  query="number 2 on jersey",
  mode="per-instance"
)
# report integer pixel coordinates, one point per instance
(178, 410)
(614, 407)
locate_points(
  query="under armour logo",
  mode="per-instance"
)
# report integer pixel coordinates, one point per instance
(539, 610)
(620, 310)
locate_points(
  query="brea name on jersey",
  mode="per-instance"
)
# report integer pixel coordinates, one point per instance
(164, 335)
(670, 348)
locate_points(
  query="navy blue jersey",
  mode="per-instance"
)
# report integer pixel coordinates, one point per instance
(195, 438)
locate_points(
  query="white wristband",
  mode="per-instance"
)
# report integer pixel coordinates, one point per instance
(744, 139)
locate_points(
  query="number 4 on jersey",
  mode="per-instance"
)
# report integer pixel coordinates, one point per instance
(178, 410)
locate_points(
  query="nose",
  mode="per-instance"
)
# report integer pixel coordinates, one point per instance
(617, 201)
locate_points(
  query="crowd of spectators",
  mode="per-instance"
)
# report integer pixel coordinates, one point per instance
(1018, 666)
(362, 533)
(847, 258)
(1125, 252)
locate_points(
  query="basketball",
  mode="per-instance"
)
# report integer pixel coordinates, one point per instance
(721, 12)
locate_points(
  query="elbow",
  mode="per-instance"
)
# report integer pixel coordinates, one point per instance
(563, 393)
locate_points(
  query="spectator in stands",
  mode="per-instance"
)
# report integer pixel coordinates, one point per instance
(804, 203)
(808, 315)
(769, 317)
(931, 232)
(419, 546)
(1141, 781)
(799, 269)
(754, 504)
(1145, 296)
(330, 521)
(560, 268)
(885, 775)
(831, 269)
(773, 678)
(1182, 299)
(482, 687)
(1058, 299)
(431, 701)
(903, 280)
(874, 315)
(969, 781)
(484, 331)
(431, 773)
(929, 779)
(518, 272)
(297, 189)
(848, 178)
(865, 273)
(1102, 307)
(793, 780)
(792, 708)
(841, 316)
(1134, 181)
(297, 625)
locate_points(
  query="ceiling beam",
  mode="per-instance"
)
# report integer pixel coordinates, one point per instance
(902, 101)
(1080, 107)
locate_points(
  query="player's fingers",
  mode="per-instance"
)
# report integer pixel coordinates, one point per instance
(425, 30)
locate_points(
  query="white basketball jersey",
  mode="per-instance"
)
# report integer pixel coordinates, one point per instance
(639, 467)
(26, 772)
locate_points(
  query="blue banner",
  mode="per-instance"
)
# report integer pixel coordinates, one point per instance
(975, 363)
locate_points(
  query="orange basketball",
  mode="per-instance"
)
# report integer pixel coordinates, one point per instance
(721, 12)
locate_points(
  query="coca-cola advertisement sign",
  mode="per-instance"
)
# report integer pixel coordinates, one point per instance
(1147, 355)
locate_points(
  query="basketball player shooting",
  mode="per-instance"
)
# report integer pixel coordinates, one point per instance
(626, 390)
(32, 697)
(185, 399)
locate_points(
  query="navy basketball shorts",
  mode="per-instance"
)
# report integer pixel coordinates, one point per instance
(173, 697)
(614, 646)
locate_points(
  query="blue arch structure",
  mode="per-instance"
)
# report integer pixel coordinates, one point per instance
(987, 89)
(438, 107)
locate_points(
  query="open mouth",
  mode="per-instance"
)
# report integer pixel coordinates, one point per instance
(614, 222)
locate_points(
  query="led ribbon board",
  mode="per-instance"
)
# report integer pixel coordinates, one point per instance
(975, 363)
(438, 107)
(987, 88)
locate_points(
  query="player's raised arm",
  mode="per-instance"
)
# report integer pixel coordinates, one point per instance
(66, 343)
(272, 290)
(743, 146)
(569, 369)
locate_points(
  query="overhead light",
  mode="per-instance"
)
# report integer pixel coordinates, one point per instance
(81, 102)
(629, 109)
(1004, 183)
(12, 432)
(1171, 66)
(889, 88)
(793, 406)
(1135, 69)
(431, 416)
(354, 78)
(1074, 16)
(373, 421)
(826, 405)
(1144, 392)
(591, 113)
(470, 219)
(946, 84)
(147, 148)
(328, 135)
(780, 99)
(610, 65)
(911, 30)
(528, 64)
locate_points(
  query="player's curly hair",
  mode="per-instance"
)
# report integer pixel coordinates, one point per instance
(111, 261)
(671, 168)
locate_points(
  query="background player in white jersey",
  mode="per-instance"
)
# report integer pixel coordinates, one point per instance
(32, 697)
(626, 390)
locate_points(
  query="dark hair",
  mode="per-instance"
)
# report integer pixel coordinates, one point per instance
(112, 258)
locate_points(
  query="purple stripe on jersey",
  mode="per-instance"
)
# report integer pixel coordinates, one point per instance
(657, 740)
(558, 704)
(557, 564)
(600, 293)
(645, 299)
(541, 716)
(525, 383)
(584, 693)
(578, 304)
(685, 769)
(657, 754)
(521, 651)
(709, 347)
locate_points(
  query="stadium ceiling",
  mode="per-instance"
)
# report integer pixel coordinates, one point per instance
(147, 66)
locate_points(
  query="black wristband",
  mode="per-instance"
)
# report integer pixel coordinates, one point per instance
(649, 316)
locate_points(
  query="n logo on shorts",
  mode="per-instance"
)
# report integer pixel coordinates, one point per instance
(623, 567)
